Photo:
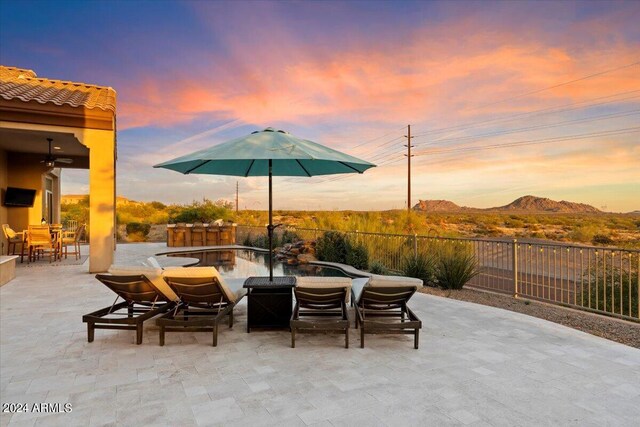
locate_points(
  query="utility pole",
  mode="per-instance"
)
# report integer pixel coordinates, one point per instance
(236, 196)
(409, 155)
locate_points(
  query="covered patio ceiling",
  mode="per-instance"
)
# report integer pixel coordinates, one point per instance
(35, 144)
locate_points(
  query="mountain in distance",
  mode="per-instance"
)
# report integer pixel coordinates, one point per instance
(438, 206)
(542, 204)
(522, 204)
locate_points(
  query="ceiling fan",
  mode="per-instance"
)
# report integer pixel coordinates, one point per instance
(50, 161)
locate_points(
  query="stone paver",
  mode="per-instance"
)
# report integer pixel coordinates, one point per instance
(476, 366)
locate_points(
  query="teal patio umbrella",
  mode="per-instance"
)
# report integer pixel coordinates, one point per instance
(267, 153)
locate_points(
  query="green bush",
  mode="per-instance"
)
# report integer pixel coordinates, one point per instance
(137, 231)
(601, 239)
(332, 247)
(247, 240)
(357, 256)
(260, 241)
(289, 236)
(421, 266)
(139, 228)
(206, 211)
(377, 267)
(456, 267)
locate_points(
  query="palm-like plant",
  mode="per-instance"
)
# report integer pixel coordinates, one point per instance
(456, 267)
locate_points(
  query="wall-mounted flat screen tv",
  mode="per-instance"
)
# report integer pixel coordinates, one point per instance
(19, 197)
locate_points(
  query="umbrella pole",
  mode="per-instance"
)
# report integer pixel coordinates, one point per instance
(270, 227)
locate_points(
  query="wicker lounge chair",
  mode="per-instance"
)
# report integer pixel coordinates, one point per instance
(381, 306)
(145, 295)
(205, 300)
(321, 306)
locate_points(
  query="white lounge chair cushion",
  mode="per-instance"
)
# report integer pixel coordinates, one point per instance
(391, 281)
(231, 289)
(325, 282)
(153, 274)
(382, 282)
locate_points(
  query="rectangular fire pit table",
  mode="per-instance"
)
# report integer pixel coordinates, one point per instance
(270, 304)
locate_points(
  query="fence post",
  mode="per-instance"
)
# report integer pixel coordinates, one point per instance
(515, 267)
(415, 245)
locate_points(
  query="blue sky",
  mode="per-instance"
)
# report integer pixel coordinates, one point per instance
(352, 75)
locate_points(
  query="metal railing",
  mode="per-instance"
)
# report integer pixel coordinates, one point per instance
(600, 279)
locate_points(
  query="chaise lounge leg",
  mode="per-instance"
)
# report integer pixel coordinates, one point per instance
(161, 336)
(346, 338)
(415, 341)
(91, 329)
(231, 319)
(362, 337)
(293, 338)
(139, 333)
(215, 335)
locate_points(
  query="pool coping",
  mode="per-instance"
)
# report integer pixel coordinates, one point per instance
(347, 269)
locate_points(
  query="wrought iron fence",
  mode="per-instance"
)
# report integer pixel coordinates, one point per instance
(599, 279)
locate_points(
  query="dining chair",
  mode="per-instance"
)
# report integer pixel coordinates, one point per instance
(39, 239)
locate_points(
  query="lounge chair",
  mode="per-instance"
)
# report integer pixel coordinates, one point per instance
(321, 306)
(145, 295)
(381, 306)
(205, 300)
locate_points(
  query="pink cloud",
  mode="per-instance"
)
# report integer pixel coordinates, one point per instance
(432, 75)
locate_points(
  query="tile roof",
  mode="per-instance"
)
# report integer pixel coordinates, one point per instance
(25, 85)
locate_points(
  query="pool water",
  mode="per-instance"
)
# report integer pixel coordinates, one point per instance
(242, 264)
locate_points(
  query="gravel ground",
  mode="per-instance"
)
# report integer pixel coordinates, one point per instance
(621, 331)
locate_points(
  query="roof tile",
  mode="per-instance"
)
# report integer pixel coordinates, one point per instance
(22, 84)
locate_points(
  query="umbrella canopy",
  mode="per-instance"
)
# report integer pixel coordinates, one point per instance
(250, 155)
(267, 153)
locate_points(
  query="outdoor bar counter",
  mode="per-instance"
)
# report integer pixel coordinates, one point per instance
(184, 235)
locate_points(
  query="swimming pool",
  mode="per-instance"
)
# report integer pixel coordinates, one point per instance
(236, 264)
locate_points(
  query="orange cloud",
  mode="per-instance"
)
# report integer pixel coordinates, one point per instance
(433, 75)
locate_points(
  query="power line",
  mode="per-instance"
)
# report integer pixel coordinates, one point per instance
(558, 85)
(538, 127)
(536, 141)
(377, 138)
(547, 110)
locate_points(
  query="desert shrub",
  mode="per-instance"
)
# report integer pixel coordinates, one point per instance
(514, 223)
(138, 227)
(247, 240)
(74, 212)
(332, 247)
(260, 241)
(205, 211)
(619, 296)
(357, 256)
(289, 236)
(421, 266)
(159, 217)
(455, 267)
(377, 267)
(137, 231)
(583, 233)
(601, 239)
(158, 205)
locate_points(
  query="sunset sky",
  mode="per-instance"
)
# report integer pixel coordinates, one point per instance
(558, 82)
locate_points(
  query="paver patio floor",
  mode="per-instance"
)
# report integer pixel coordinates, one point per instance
(476, 365)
